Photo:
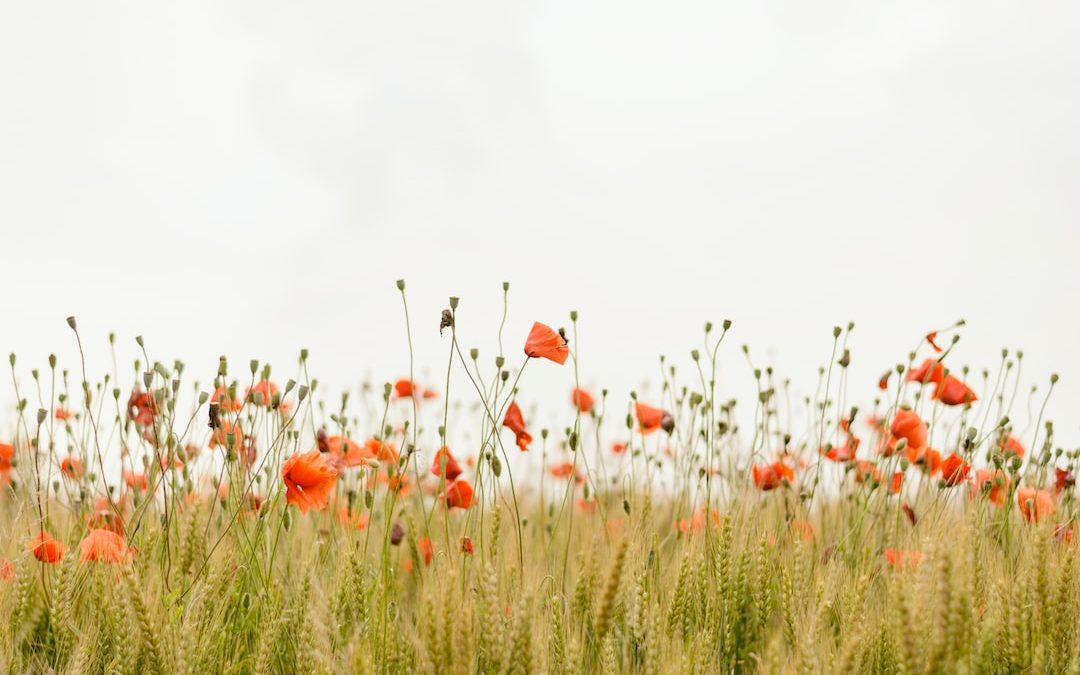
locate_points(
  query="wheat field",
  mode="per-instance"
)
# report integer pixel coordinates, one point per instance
(254, 523)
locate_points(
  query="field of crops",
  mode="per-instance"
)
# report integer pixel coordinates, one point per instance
(249, 520)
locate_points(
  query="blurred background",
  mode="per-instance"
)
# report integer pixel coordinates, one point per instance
(250, 178)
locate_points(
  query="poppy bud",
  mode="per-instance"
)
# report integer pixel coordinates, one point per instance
(223, 366)
(499, 361)
(369, 498)
(496, 466)
(11, 358)
(573, 315)
(42, 414)
(836, 331)
(667, 423)
(302, 392)
(401, 284)
(694, 354)
(506, 285)
(397, 533)
(474, 353)
(453, 302)
(71, 322)
(1053, 378)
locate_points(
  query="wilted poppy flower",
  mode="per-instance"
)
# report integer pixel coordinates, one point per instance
(649, 418)
(516, 423)
(582, 400)
(1012, 446)
(1034, 504)
(1063, 480)
(545, 343)
(224, 400)
(902, 559)
(141, 407)
(910, 513)
(71, 467)
(265, 390)
(951, 391)
(467, 546)
(994, 483)
(135, 481)
(954, 470)
(397, 533)
(309, 480)
(445, 465)
(459, 494)
(772, 476)
(103, 546)
(883, 381)
(426, 550)
(46, 549)
(931, 371)
(908, 425)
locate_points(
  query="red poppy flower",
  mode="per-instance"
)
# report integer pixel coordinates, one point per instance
(221, 436)
(902, 559)
(618, 447)
(1063, 480)
(7, 451)
(1034, 504)
(931, 371)
(142, 408)
(649, 418)
(994, 483)
(582, 400)
(1012, 446)
(381, 450)
(224, 401)
(7, 570)
(931, 337)
(897, 482)
(309, 480)
(451, 470)
(135, 481)
(772, 476)
(426, 550)
(103, 546)
(467, 546)
(883, 381)
(545, 343)
(865, 471)
(908, 425)
(516, 423)
(46, 549)
(565, 470)
(843, 453)
(71, 467)
(951, 391)
(954, 470)
(62, 414)
(459, 495)
(404, 388)
(266, 390)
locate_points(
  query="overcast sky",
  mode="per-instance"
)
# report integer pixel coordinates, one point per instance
(249, 178)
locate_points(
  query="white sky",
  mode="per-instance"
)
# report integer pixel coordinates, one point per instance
(249, 178)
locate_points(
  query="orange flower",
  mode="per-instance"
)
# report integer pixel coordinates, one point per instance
(404, 388)
(7, 451)
(135, 481)
(931, 337)
(697, 523)
(618, 447)
(994, 483)
(649, 418)
(350, 519)
(451, 470)
(224, 401)
(927, 458)
(220, 436)
(7, 570)
(459, 494)
(931, 371)
(467, 546)
(803, 529)
(426, 550)
(103, 546)
(62, 413)
(582, 400)
(908, 425)
(309, 480)
(897, 482)
(843, 453)
(1012, 446)
(516, 423)
(1034, 504)
(71, 467)
(547, 344)
(266, 390)
(46, 549)
(866, 471)
(772, 476)
(951, 391)
(883, 381)
(564, 470)
(954, 470)
(380, 450)
(901, 559)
